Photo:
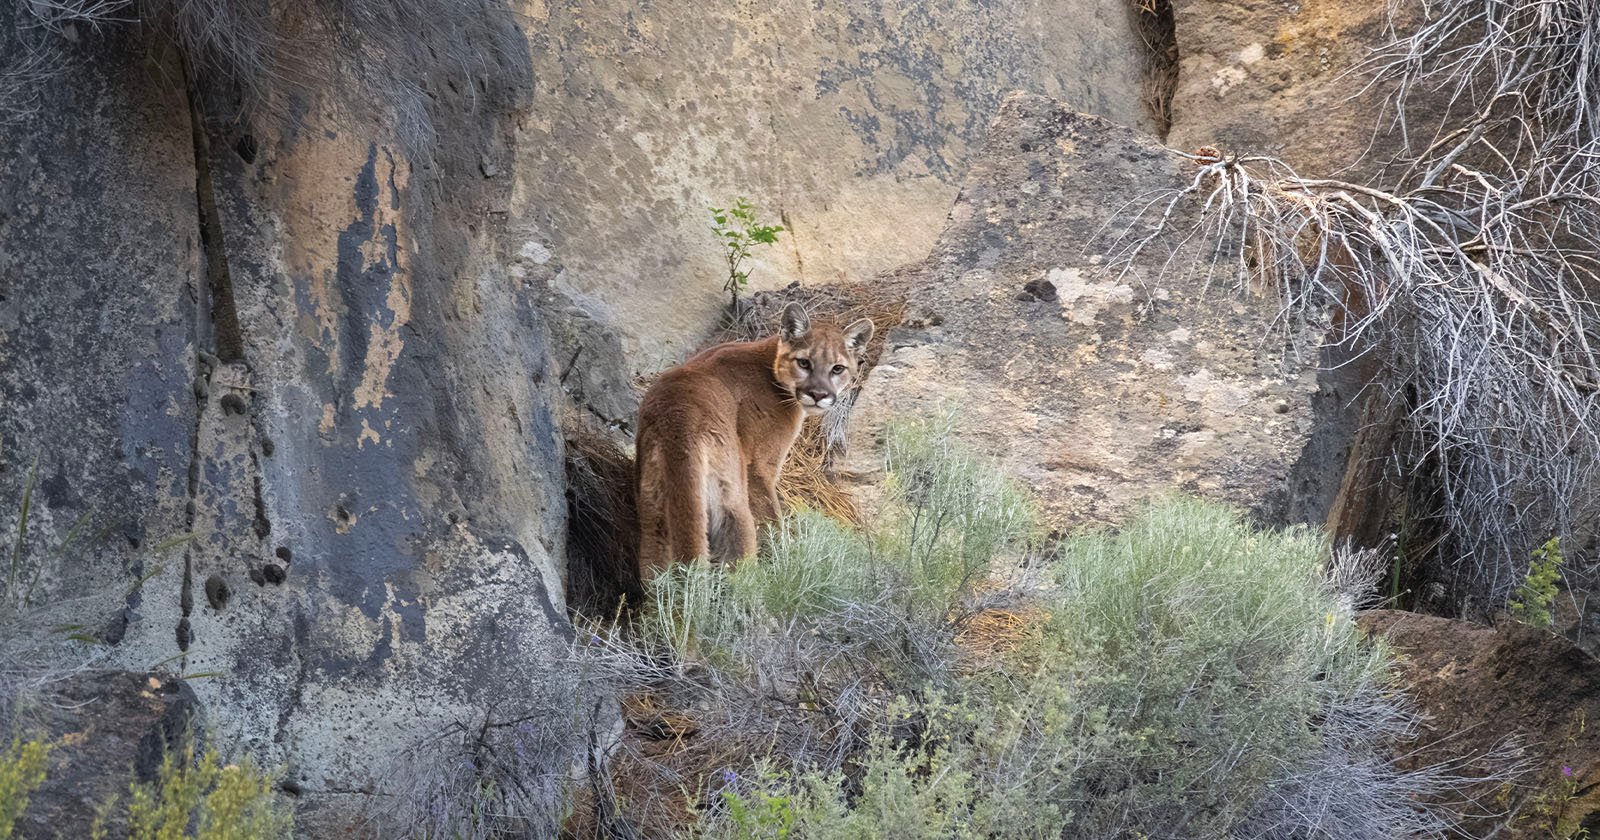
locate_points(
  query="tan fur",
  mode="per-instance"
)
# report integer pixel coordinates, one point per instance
(715, 430)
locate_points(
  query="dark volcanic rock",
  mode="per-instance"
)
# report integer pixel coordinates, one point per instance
(288, 324)
(108, 729)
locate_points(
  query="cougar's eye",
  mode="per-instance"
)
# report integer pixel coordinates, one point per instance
(838, 369)
(805, 364)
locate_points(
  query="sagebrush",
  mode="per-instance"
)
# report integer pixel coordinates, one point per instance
(946, 674)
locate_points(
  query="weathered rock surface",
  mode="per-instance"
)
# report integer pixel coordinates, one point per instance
(107, 729)
(1486, 689)
(851, 124)
(289, 342)
(1286, 79)
(1097, 385)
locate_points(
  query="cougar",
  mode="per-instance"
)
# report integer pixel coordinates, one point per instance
(715, 430)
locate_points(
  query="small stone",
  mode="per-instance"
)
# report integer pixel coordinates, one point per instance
(257, 577)
(1041, 289)
(233, 404)
(284, 554)
(274, 573)
(1281, 407)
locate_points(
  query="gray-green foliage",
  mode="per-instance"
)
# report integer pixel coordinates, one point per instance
(1189, 676)
(740, 231)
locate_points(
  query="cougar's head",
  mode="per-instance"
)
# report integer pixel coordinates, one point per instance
(817, 362)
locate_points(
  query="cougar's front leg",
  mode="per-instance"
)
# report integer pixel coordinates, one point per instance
(764, 505)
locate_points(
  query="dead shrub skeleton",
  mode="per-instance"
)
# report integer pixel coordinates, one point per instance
(1469, 277)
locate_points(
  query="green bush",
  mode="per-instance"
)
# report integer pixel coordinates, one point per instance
(22, 770)
(1189, 676)
(740, 231)
(1530, 604)
(204, 799)
(1210, 659)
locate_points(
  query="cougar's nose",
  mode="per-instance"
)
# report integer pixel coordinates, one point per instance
(821, 397)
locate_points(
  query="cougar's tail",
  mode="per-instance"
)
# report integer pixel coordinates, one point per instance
(672, 507)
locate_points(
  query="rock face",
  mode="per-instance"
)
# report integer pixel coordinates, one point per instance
(1489, 691)
(289, 344)
(107, 729)
(1284, 80)
(1289, 80)
(851, 124)
(1097, 383)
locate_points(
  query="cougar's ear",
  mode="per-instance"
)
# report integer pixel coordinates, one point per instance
(796, 323)
(857, 335)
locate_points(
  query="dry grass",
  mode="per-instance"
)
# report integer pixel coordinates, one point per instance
(996, 633)
(806, 480)
(661, 774)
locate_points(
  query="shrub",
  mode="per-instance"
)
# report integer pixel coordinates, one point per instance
(1190, 676)
(1471, 296)
(1530, 604)
(506, 774)
(740, 231)
(219, 802)
(22, 769)
(202, 799)
(1231, 676)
